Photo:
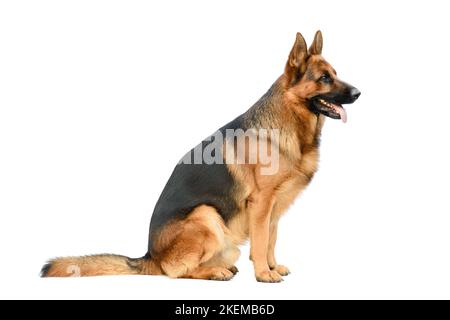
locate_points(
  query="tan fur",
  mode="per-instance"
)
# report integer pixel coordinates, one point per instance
(90, 266)
(199, 246)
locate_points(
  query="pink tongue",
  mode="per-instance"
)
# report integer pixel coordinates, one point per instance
(341, 112)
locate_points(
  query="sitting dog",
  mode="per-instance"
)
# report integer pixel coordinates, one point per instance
(236, 184)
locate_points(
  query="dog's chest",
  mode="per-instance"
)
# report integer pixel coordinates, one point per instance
(308, 163)
(296, 181)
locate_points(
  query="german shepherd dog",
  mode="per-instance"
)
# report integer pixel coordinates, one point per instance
(208, 208)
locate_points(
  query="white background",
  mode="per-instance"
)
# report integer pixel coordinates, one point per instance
(99, 100)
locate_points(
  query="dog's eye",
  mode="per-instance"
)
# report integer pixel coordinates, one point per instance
(325, 78)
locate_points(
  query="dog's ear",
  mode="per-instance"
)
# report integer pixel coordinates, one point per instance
(316, 46)
(296, 65)
(298, 53)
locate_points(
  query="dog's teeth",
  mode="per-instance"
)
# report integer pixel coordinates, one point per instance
(328, 104)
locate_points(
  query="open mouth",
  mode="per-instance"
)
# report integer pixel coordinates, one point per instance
(329, 108)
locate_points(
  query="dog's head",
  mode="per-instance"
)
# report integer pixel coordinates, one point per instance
(313, 81)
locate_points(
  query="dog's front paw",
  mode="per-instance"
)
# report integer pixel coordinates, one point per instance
(282, 270)
(268, 276)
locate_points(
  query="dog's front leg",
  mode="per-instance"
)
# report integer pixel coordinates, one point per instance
(271, 260)
(259, 211)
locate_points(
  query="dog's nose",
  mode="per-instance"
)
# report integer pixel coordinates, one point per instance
(355, 93)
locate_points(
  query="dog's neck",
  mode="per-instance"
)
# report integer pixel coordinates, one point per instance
(278, 109)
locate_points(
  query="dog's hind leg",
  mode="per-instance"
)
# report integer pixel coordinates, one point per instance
(221, 266)
(186, 247)
(227, 257)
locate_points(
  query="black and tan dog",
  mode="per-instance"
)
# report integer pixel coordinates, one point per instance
(207, 210)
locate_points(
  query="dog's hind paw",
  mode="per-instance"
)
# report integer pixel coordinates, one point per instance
(234, 269)
(221, 274)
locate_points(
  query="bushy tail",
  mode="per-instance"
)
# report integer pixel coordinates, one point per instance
(99, 265)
